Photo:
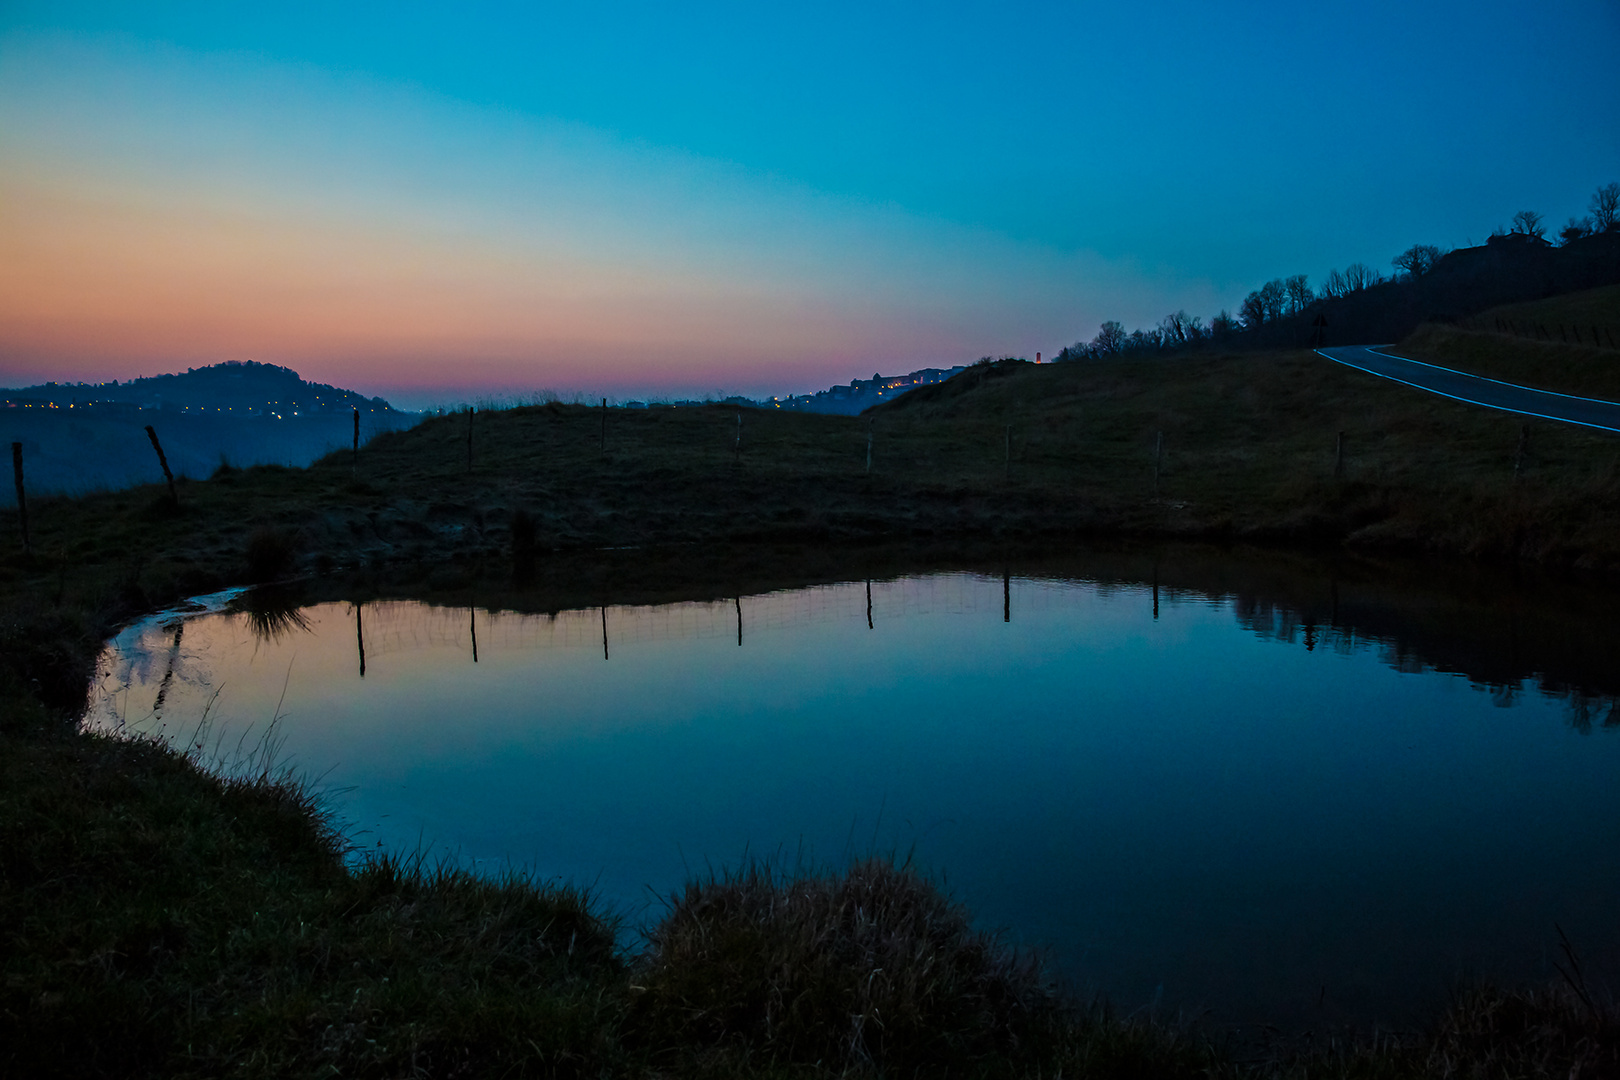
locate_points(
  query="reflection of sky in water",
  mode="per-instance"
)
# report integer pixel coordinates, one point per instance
(1176, 801)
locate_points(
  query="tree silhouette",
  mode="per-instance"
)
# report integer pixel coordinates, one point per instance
(1359, 276)
(1417, 260)
(1606, 208)
(1577, 228)
(1299, 293)
(1529, 223)
(1110, 338)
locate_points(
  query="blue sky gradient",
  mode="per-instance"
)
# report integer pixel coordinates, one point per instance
(640, 199)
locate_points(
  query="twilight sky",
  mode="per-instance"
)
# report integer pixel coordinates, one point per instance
(440, 203)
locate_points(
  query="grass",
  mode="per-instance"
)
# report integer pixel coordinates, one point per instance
(1567, 369)
(1579, 310)
(162, 919)
(1549, 357)
(1248, 453)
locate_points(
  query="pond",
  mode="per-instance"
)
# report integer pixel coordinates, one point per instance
(1269, 789)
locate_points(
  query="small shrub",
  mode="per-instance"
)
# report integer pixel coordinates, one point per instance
(270, 553)
(873, 968)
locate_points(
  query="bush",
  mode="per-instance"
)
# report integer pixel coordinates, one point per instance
(270, 553)
(874, 968)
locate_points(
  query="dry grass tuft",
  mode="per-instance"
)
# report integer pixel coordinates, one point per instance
(871, 968)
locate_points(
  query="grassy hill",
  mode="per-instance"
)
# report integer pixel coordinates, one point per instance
(160, 920)
(1547, 344)
(1233, 447)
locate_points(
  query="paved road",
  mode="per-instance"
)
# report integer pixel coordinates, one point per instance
(1477, 390)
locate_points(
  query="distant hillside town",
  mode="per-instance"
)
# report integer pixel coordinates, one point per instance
(861, 394)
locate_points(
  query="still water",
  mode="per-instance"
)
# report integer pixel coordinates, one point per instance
(1191, 796)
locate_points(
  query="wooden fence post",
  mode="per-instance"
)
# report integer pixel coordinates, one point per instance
(151, 433)
(869, 448)
(356, 460)
(604, 427)
(471, 411)
(1524, 448)
(1158, 459)
(1338, 457)
(22, 499)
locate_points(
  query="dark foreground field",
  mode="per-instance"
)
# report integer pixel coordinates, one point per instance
(161, 920)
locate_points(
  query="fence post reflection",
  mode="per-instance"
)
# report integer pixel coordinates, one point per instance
(360, 639)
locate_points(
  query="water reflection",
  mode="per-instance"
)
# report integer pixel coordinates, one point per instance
(273, 612)
(360, 638)
(1256, 782)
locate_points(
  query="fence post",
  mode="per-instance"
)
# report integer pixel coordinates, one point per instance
(1158, 458)
(151, 433)
(604, 427)
(869, 448)
(355, 467)
(471, 411)
(1338, 457)
(22, 500)
(1524, 448)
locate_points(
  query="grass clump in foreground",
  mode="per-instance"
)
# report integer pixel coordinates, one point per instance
(873, 968)
(161, 920)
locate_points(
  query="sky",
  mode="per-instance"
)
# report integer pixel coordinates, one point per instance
(447, 203)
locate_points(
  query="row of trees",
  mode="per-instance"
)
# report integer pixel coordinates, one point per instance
(1283, 298)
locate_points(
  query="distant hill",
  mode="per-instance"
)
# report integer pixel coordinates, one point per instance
(242, 387)
(79, 437)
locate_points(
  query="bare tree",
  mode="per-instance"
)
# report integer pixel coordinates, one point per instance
(1274, 295)
(1577, 228)
(1179, 328)
(1252, 311)
(1606, 208)
(1299, 293)
(1110, 338)
(1334, 285)
(1417, 260)
(1358, 276)
(1224, 323)
(1529, 223)
(1144, 341)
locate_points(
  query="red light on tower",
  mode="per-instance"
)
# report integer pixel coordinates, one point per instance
(1037, 358)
